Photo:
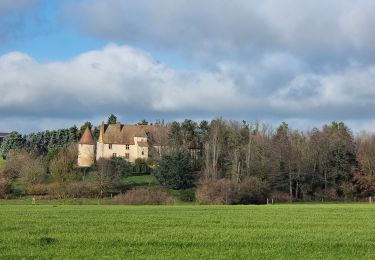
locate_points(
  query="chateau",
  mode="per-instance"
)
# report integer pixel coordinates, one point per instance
(117, 140)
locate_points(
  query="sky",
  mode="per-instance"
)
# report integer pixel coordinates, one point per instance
(305, 62)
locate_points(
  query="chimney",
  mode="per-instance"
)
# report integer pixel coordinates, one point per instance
(101, 129)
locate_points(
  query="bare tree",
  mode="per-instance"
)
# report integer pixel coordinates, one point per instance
(106, 177)
(62, 166)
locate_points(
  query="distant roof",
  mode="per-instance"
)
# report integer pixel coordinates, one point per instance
(87, 137)
(2, 135)
(124, 134)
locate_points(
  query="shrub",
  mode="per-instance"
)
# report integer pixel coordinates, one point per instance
(62, 165)
(56, 190)
(53, 189)
(187, 195)
(9, 175)
(72, 190)
(5, 184)
(15, 162)
(121, 167)
(141, 167)
(251, 190)
(37, 189)
(81, 190)
(364, 185)
(33, 172)
(281, 197)
(27, 170)
(326, 195)
(346, 191)
(224, 191)
(215, 192)
(143, 196)
(17, 188)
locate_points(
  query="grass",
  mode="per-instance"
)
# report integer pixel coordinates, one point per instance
(141, 180)
(186, 232)
(40, 200)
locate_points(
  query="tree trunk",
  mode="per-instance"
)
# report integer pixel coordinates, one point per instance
(290, 183)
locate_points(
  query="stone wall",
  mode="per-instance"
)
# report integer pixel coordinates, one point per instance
(86, 155)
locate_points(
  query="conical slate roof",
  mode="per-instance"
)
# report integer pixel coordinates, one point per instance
(87, 137)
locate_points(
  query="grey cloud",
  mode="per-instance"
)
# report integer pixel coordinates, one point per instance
(210, 29)
(311, 61)
(129, 82)
(286, 58)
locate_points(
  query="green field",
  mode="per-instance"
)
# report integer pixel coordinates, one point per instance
(173, 232)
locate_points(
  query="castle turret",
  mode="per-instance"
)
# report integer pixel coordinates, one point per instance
(86, 149)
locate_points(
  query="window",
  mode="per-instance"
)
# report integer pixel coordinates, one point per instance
(110, 146)
(127, 156)
(143, 153)
(127, 147)
(114, 155)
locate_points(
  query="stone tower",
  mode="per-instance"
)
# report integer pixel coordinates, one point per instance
(86, 149)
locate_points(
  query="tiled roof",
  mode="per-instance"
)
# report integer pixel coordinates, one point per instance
(124, 134)
(87, 137)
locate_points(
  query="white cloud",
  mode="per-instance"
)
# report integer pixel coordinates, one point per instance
(115, 78)
(129, 82)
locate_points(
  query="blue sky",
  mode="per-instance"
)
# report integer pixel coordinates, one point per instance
(305, 62)
(45, 37)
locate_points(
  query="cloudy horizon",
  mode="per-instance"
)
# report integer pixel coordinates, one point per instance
(303, 62)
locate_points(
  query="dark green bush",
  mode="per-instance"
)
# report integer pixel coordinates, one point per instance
(187, 195)
(175, 171)
(121, 166)
(141, 167)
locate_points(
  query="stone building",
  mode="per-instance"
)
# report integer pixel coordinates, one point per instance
(86, 149)
(117, 140)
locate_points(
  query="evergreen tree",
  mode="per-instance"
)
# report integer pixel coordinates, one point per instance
(73, 134)
(46, 138)
(60, 139)
(175, 171)
(175, 134)
(53, 140)
(143, 122)
(112, 119)
(83, 128)
(13, 141)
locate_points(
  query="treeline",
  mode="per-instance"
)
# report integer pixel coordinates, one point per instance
(217, 162)
(247, 163)
(41, 143)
